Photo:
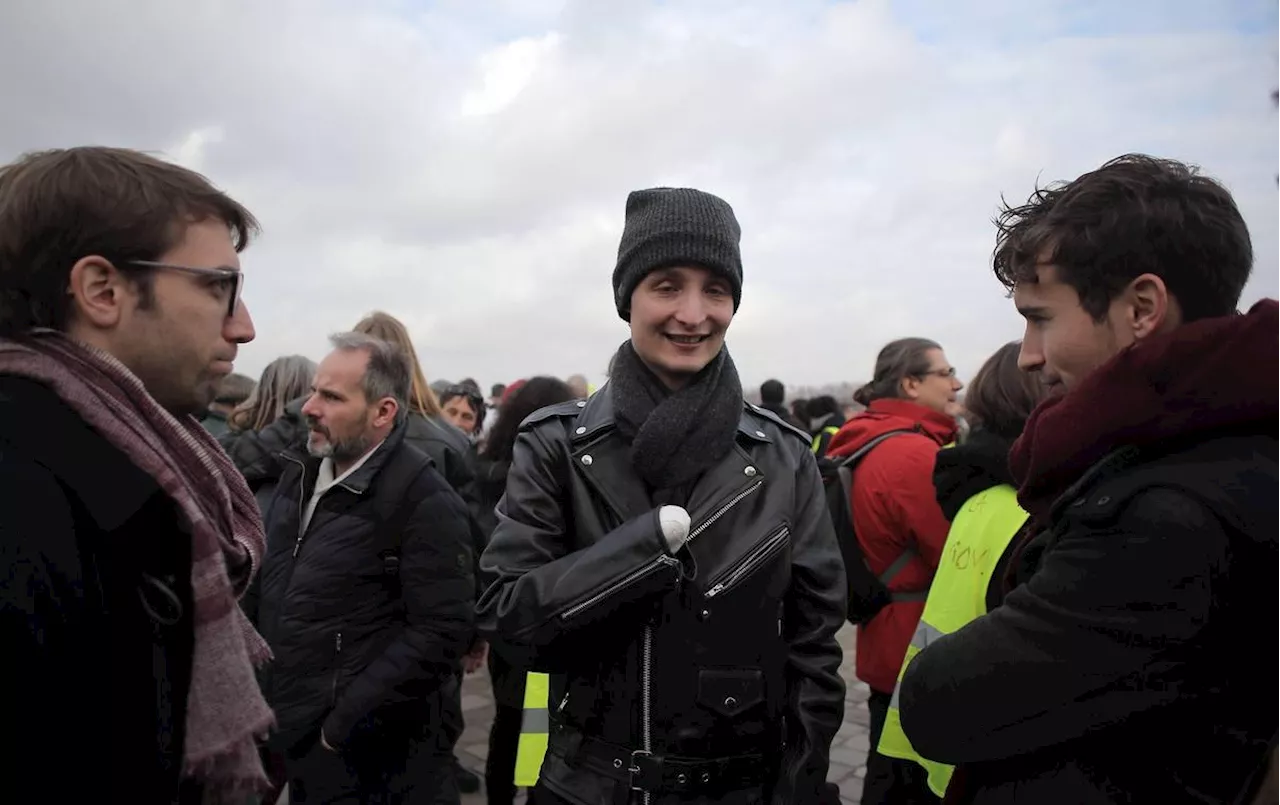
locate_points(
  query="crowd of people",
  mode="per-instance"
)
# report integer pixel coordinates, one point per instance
(219, 589)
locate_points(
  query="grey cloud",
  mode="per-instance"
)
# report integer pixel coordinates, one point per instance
(864, 146)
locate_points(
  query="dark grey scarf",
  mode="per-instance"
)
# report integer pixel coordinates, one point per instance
(675, 436)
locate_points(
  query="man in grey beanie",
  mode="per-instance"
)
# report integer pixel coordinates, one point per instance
(664, 551)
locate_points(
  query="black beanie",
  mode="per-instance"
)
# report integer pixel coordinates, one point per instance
(667, 226)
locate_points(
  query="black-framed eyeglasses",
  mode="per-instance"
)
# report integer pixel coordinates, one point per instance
(232, 279)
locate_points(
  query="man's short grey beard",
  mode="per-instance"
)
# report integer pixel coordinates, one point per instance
(341, 451)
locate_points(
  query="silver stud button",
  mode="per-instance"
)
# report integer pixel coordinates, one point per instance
(760, 433)
(750, 472)
(586, 461)
(580, 431)
(582, 403)
(617, 763)
(730, 702)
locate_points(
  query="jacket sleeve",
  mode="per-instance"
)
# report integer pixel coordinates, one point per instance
(1091, 638)
(438, 588)
(814, 612)
(541, 589)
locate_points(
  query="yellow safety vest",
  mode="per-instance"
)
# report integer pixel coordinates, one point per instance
(535, 725)
(979, 534)
(817, 440)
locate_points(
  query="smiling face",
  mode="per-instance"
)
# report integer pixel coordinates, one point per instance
(679, 316)
(1063, 342)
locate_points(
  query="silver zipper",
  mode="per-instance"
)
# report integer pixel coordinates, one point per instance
(707, 523)
(748, 565)
(646, 705)
(302, 503)
(646, 659)
(626, 581)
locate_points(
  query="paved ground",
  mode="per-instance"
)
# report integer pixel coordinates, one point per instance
(848, 753)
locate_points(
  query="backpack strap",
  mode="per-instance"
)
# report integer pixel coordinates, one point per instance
(393, 508)
(845, 472)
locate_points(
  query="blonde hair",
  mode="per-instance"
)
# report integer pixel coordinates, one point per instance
(388, 328)
(283, 381)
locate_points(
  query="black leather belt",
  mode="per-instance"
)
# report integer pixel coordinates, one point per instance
(666, 774)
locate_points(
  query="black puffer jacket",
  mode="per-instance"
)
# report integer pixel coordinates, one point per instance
(369, 610)
(727, 651)
(257, 454)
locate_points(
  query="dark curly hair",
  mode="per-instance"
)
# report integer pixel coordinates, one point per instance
(537, 393)
(1134, 215)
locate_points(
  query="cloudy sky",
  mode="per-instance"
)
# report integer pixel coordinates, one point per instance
(463, 164)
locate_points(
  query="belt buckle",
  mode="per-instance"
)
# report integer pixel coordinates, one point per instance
(646, 773)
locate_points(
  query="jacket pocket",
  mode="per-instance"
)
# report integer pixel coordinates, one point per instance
(756, 558)
(730, 691)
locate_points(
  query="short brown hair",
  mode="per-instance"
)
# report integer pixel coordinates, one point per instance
(1001, 396)
(59, 206)
(1134, 215)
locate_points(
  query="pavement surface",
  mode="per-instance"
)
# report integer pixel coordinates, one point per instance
(848, 752)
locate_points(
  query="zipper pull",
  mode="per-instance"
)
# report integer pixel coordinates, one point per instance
(563, 704)
(337, 643)
(297, 546)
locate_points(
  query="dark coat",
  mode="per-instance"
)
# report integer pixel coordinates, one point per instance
(369, 610)
(96, 691)
(1161, 684)
(730, 648)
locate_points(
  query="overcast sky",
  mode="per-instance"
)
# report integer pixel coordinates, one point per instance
(464, 164)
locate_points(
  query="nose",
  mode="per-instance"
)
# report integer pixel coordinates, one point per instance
(691, 310)
(238, 327)
(309, 408)
(1030, 356)
(956, 384)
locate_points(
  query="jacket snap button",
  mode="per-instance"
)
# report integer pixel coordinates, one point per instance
(580, 431)
(582, 403)
(586, 460)
(750, 472)
(1104, 500)
(617, 763)
(760, 433)
(706, 777)
(706, 613)
(682, 778)
(730, 702)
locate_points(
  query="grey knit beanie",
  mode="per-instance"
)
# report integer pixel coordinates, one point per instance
(668, 226)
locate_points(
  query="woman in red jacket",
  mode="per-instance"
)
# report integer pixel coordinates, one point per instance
(899, 525)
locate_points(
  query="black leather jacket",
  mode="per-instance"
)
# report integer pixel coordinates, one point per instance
(727, 649)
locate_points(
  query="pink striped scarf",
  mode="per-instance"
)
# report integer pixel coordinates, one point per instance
(225, 709)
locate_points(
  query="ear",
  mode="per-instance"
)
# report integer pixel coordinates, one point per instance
(910, 387)
(1149, 308)
(385, 412)
(98, 292)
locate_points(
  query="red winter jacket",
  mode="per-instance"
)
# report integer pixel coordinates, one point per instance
(894, 507)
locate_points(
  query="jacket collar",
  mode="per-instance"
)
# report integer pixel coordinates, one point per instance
(360, 480)
(603, 459)
(597, 417)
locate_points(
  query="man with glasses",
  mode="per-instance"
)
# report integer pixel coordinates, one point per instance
(128, 535)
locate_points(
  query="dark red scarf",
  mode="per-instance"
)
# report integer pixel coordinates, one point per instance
(1202, 377)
